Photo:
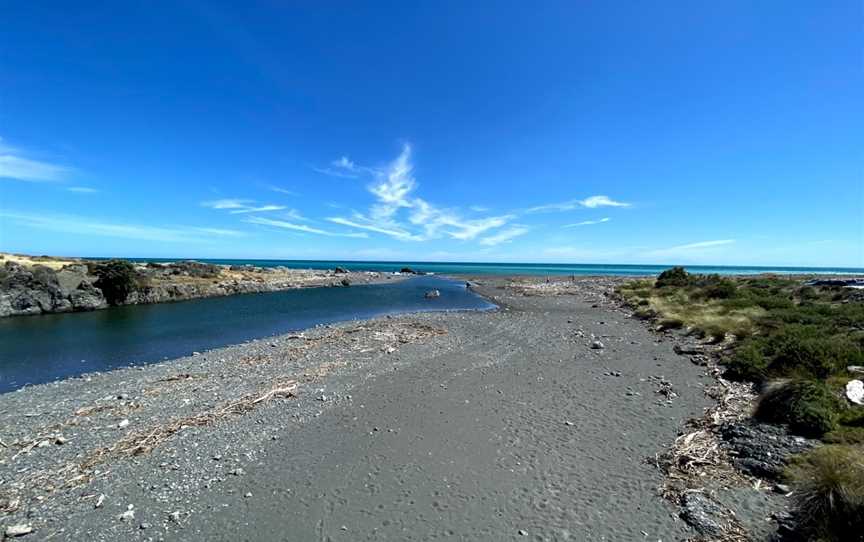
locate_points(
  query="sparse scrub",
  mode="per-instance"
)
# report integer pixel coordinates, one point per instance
(829, 493)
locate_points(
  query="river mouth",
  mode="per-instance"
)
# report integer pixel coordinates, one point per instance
(39, 349)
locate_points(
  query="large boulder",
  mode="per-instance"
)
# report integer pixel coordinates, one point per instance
(87, 297)
(70, 277)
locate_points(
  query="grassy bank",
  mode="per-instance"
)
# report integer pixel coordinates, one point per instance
(800, 344)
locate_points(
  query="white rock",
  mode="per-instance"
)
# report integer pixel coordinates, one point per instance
(127, 515)
(855, 391)
(18, 530)
(123, 423)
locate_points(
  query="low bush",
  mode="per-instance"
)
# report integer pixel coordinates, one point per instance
(829, 493)
(807, 406)
(676, 276)
(117, 279)
(195, 269)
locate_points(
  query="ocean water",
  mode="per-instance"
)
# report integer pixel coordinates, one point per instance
(464, 268)
(37, 349)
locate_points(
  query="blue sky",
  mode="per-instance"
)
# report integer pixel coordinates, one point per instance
(628, 132)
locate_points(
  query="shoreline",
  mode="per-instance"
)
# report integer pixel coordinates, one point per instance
(507, 401)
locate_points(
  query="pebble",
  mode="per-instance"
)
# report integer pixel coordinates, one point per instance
(123, 423)
(782, 489)
(144, 526)
(238, 472)
(523, 532)
(597, 345)
(174, 516)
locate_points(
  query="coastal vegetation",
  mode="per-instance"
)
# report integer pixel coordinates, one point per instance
(117, 279)
(800, 342)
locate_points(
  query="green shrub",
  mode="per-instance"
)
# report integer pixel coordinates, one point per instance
(117, 279)
(676, 276)
(829, 493)
(748, 362)
(807, 406)
(810, 351)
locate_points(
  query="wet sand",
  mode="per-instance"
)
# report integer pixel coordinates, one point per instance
(503, 425)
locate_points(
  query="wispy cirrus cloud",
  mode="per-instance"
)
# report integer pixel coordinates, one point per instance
(703, 244)
(283, 224)
(15, 165)
(241, 206)
(82, 190)
(588, 222)
(591, 202)
(691, 250)
(398, 213)
(395, 232)
(281, 190)
(81, 225)
(344, 167)
(504, 236)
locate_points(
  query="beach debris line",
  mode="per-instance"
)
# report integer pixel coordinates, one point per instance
(144, 441)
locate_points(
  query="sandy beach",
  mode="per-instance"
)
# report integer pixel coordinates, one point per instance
(500, 425)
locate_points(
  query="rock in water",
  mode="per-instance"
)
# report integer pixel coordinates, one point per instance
(346, 283)
(340, 270)
(855, 391)
(432, 294)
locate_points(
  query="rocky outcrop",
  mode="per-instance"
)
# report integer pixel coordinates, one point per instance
(39, 289)
(761, 449)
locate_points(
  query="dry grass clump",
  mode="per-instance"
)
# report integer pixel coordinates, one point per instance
(829, 493)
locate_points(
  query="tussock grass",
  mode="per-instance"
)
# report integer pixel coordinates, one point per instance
(829, 493)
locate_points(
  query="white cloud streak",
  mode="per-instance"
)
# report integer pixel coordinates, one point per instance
(299, 227)
(86, 226)
(237, 206)
(82, 190)
(703, 244)
(588, 222)
(591, 202)
(14, 165)
(504, 236)
(281, 190)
